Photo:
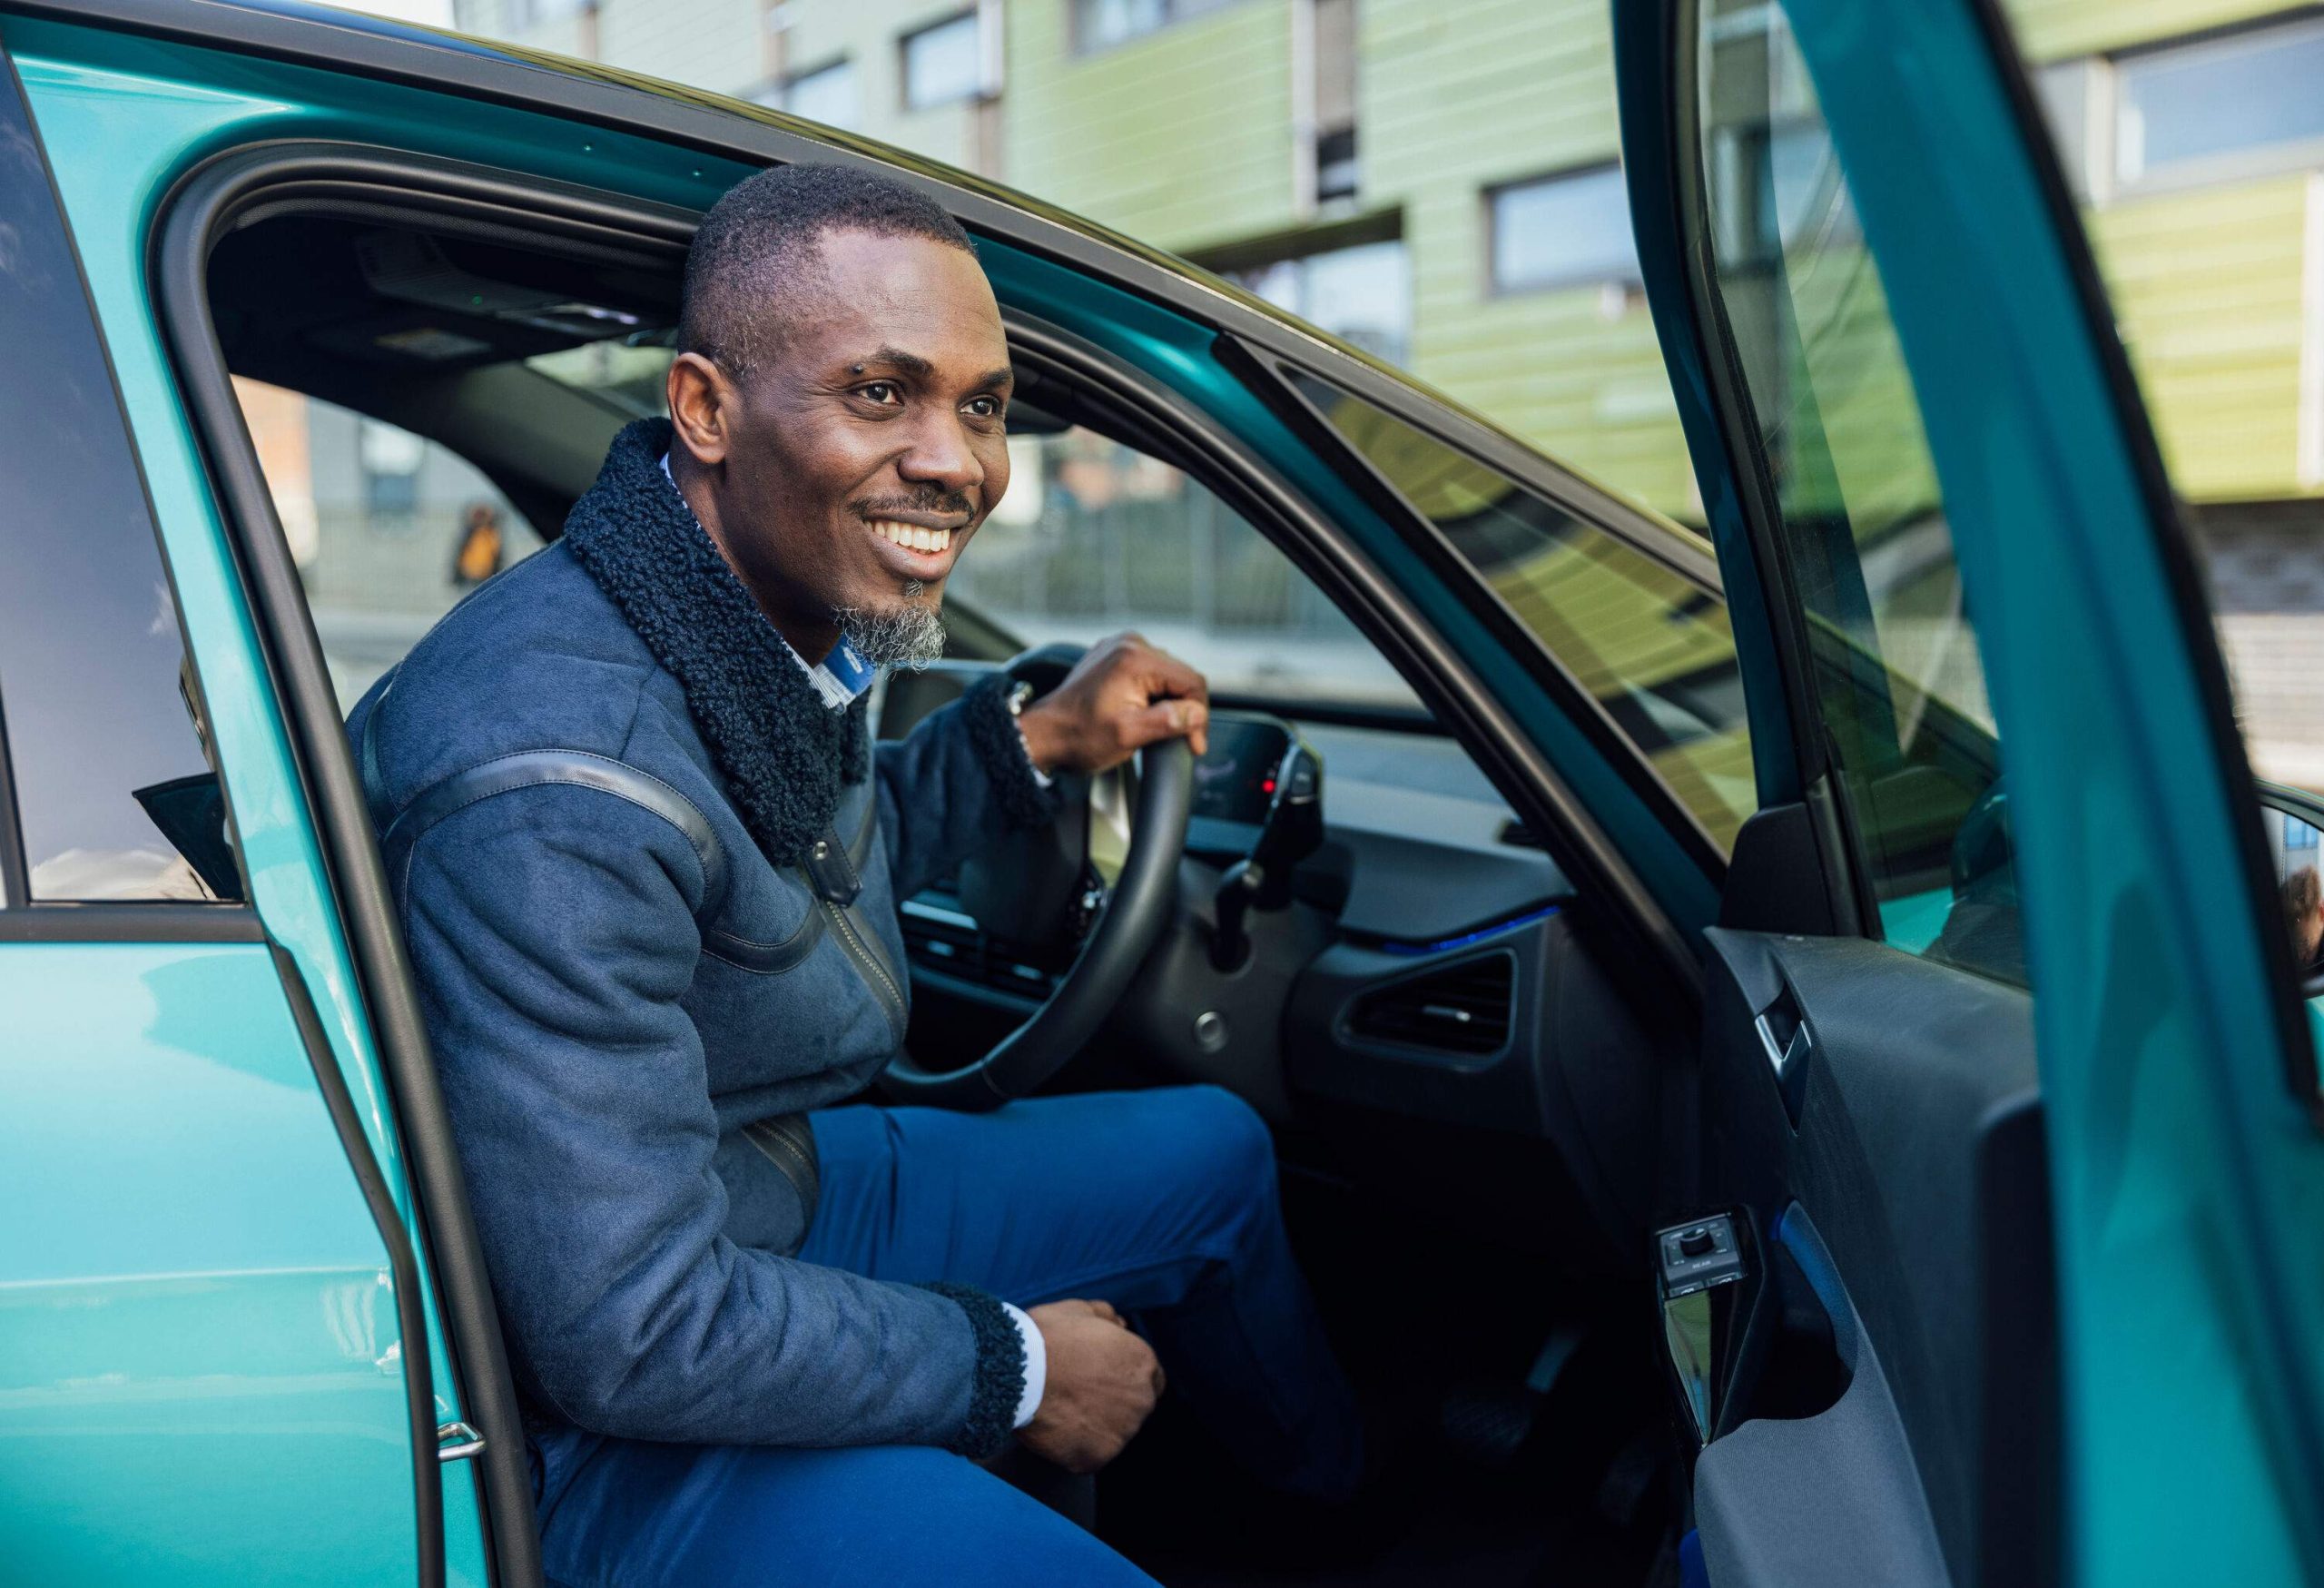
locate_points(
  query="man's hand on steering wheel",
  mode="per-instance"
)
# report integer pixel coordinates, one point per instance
(1121, 697)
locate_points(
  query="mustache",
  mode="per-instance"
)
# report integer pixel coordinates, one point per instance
(931, 502)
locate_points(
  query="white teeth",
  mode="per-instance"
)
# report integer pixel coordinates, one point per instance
(912, 535)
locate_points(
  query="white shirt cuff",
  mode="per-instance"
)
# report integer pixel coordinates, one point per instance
(1037, 1364)
(1040, 779)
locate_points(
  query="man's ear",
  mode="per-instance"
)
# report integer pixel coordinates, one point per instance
(702, 406)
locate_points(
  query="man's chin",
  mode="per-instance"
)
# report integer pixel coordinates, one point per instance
(907, 632)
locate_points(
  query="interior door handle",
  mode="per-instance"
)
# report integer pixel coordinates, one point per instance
(456, 1442)
(1788, 1043)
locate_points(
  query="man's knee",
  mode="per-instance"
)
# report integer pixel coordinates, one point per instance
(1221, 1154)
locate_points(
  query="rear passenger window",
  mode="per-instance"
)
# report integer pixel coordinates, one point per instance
(389, 529)
(110, 782)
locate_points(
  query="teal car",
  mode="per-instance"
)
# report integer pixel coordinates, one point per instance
(1807, 1157)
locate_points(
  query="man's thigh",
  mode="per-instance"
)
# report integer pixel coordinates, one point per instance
(633, 1514)
(1138, 1192)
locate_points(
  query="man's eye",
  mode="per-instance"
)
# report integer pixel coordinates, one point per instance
(879, 391)
(985, 408)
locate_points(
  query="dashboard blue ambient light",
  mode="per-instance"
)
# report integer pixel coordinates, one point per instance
(1443, 945)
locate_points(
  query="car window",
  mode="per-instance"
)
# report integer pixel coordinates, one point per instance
(1898, 679)
(103, 755)
(389, 529)
(1095, 536)
(1649, 645)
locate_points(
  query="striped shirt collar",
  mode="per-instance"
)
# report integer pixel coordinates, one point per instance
(840, 678)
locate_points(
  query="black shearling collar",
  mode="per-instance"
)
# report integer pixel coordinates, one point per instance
(785, 754)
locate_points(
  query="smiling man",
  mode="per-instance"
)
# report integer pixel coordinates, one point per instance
(646, 863)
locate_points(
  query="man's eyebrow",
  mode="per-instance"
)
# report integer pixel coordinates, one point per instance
(993, 379)
(895, 358)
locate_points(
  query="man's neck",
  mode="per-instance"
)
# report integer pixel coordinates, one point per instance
(813, 637)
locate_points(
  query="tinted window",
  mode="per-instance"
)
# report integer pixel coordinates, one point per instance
(92, 663)
(1651, 647)
(1899, 680)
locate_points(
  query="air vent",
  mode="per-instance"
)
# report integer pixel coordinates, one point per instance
(1462, 1009)
(953, 944)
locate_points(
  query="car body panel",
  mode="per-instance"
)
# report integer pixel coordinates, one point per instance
(198, 1348)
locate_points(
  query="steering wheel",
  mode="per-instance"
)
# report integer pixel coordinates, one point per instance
(1137, 908)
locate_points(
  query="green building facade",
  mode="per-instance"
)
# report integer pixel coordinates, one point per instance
(1436, 181)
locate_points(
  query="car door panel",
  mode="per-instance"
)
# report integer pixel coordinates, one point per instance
(1829, 1501)
(1912, 1180)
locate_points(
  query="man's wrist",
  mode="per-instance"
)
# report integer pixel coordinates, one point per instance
(1044, 745)
(1037, 1364)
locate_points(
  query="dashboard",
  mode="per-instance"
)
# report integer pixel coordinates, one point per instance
(1365, 931)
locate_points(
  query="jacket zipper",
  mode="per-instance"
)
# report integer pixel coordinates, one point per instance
(875, 972)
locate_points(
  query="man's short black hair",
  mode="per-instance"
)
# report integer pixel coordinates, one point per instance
(759, 245)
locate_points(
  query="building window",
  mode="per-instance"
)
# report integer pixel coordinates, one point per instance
(1362, 294)
(2229, 106)
(1572, 229)
(943, 64)
(1335, 167)
(390, 460)
(826, 95)
(1100, 23)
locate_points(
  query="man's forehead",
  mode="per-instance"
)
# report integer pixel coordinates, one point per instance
(863, 279)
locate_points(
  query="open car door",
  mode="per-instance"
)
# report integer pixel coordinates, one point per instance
(1939, 1314)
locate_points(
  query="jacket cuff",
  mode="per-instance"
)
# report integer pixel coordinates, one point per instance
(1000, 748)
(999, 1381)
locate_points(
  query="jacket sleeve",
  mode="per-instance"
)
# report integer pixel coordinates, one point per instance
(552, 934)
(953, 785)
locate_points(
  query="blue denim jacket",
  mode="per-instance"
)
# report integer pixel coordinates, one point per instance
(600, 782)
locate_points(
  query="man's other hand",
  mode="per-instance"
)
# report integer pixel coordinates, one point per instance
(1103, 1382)
(1122, 696)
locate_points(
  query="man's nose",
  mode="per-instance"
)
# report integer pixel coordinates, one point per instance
(940, 457)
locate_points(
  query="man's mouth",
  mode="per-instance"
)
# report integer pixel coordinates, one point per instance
(913, 537)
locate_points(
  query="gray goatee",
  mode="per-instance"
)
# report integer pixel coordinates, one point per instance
(906, 635)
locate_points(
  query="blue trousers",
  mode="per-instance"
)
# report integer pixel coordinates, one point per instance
(1163, 1203)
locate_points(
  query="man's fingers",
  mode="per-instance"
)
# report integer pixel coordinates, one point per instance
(1104, 1309)
(1168, 719)
(1173, 676)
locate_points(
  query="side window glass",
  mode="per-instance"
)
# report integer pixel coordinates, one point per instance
(1898, 679)
(1652, 645)
(1095, 536)
(389, 529)
(113, 792)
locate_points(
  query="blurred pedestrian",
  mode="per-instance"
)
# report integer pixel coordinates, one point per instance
(2303, 897)
(481, 546)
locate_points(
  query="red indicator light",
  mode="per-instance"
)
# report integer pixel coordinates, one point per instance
(1268, 786)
